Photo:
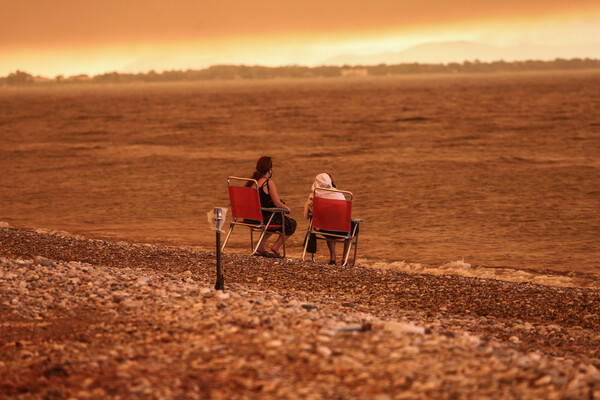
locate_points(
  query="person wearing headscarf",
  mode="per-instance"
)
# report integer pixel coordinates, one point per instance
(322, 180)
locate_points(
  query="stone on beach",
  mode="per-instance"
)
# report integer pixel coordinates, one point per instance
(118, 320)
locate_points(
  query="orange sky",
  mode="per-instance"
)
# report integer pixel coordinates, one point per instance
(74, 36)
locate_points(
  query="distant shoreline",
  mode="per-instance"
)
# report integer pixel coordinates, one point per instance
(547, 277)
(243, 72)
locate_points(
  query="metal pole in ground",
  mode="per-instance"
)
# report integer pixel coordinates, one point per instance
(220, 285)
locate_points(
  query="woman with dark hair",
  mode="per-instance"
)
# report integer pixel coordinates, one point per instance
(269, 198)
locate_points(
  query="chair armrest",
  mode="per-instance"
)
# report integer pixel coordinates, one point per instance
(283, 210)
(356, 221)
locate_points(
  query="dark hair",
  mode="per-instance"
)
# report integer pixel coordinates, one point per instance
(263, 165)
(332, 184)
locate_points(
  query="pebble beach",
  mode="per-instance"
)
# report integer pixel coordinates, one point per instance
(88, 318)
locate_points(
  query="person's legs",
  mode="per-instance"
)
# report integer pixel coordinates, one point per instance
(278, 243)
(290, 228)
(261, 246)
(331, 246)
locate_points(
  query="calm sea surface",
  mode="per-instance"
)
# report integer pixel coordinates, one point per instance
(495, 170)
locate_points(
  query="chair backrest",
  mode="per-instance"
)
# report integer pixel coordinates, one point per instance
(245, 201)
(332, 214)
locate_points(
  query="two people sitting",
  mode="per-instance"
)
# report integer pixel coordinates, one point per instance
(269, 198)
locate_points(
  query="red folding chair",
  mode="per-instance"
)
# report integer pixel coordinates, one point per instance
(246, 211)
(332, 220)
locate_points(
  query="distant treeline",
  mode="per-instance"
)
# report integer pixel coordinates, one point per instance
(229, 72)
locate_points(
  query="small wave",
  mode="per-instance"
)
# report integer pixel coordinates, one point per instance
(466, 138)
(412, 119)
(58, 233)
(189, 125)
(523, 160)
(462, 268)
(93, 132)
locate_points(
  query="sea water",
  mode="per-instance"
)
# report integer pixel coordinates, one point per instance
(453, 172)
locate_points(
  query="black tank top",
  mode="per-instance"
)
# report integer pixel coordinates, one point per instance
(265, 200)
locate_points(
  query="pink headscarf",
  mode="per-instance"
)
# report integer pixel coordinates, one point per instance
(322, 180)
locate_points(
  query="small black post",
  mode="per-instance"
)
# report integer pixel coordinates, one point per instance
(220, 285)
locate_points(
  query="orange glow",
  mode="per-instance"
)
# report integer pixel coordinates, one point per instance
(136, 36)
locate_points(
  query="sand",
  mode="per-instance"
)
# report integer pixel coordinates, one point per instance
(88, 318)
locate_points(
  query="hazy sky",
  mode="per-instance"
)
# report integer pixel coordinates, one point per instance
(79, 36)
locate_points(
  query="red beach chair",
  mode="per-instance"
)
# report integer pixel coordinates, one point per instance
(332, 220)
(246, 211)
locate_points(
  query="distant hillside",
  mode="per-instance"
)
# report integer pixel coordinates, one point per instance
(460, 51)
(233, 72)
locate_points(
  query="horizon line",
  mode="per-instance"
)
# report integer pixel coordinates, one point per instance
(283, 66)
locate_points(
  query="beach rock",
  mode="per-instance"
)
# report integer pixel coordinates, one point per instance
(43, 261)
(223, 295)
(324, 351)
(400, 327)
(131, 324)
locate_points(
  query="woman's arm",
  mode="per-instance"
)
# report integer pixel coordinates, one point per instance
(275, 196)
(308, 207)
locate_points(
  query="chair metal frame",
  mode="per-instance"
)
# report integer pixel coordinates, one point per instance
(350, 234)
(241, 215)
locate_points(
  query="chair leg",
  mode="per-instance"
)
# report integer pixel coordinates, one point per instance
(306, 239)
(264, 231)
(347, 254)
(254, 249)
(232, 225)
(350, 247)
(305, 243)
(355, 249)
(354, 236)
(283, 232)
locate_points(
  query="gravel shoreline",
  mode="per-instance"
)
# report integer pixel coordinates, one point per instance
(86, 318)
